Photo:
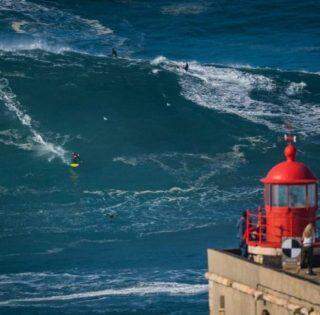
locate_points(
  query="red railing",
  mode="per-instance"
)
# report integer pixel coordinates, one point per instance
(256, 229)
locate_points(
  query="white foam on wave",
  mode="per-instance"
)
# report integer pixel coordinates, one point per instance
(224, 89)
(198, 193)
(195, 192)
(17, 26)
(50, 15)
(242, 66)
(230, 90)
(126, 160)
(95, 192)
(184, 9)
(48, 25)
(158, 60)
(13, 138)
(295, 88)
(142, 289)
(180, 165)
(38, 142)
(176, 163)
(96, 25)
(33, 44)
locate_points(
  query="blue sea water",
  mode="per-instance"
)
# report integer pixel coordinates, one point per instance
(170, 158)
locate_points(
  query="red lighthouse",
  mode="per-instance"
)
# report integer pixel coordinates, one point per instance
(290, 197)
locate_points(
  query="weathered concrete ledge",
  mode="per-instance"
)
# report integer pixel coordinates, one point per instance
(238, 286)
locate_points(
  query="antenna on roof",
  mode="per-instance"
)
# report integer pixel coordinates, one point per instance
(289, 137)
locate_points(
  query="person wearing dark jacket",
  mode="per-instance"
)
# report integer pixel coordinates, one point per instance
(242, 226)
(114, 53)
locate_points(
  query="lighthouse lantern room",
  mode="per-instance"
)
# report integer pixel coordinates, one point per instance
(290, 203)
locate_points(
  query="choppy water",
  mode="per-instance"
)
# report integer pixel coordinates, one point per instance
(174, 156)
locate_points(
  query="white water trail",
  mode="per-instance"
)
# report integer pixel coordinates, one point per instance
(169, 288)
(224, 89)
(43, 147)
(231, 90)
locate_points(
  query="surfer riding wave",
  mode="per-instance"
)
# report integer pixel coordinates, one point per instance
(75, 159)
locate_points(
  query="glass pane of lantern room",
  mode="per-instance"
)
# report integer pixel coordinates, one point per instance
(279, 195)
(312, 195)
(297, 196)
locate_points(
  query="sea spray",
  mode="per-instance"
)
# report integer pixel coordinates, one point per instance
(42, 146)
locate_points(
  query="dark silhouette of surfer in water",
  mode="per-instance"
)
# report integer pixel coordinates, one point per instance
(111, 215)
(114, 53)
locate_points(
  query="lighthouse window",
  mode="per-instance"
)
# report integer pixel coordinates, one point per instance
(297, 196)
(312, 195)
(279, 195)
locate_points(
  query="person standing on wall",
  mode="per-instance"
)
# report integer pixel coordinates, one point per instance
(308, 239)
(242, 226)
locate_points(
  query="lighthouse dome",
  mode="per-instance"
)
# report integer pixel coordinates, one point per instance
(290, 171)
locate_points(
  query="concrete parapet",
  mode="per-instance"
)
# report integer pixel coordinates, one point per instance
(248, 288)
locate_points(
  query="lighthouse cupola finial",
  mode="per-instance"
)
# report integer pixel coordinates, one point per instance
(290, 151)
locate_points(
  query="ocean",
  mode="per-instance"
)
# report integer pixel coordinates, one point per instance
(170, 158)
